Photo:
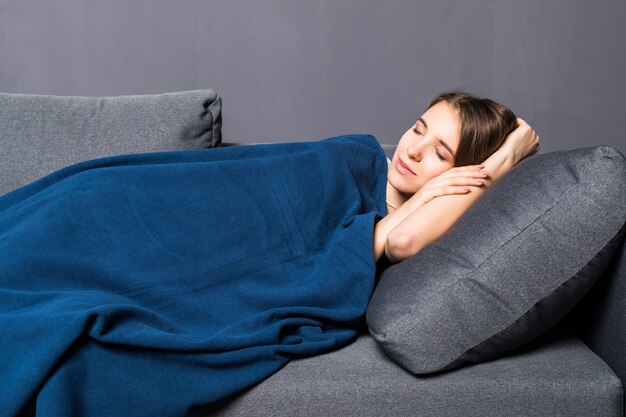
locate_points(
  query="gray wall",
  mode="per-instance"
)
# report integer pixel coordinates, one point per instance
(305, 70)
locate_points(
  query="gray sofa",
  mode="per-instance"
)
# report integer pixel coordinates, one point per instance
(574, 369)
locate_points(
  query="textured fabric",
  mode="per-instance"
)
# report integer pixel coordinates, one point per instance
(510, 268)
(600, 319)
(147, 284)
(559, 376)
(389, 150)
(40, 134)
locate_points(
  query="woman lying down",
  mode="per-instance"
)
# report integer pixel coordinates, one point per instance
(157, 283)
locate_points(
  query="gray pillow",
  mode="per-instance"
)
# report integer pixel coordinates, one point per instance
(41, 133)
(510, 268)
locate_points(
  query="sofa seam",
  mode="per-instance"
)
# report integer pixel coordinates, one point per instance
(610, 242)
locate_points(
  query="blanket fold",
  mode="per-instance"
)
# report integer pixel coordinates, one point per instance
(151, 284)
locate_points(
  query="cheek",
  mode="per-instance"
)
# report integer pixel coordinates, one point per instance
(440, 171)
(437, 168)
(431, 172)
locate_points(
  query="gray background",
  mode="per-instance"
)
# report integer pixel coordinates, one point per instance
(291, 70)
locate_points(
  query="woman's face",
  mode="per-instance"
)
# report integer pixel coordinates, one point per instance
(426, 150)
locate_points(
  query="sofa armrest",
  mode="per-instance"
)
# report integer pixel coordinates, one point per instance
(600, 318)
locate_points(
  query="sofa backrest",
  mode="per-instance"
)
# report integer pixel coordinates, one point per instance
(40, 134)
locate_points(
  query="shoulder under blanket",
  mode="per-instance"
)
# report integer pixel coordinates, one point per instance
(151, 284)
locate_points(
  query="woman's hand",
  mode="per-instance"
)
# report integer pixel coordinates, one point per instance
(453, 181)
(522, 142)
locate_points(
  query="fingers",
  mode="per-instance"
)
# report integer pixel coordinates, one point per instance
(524, 129)
(451, 189)
(534, 141)
(471, 181)
(457, 180)
(464, 170)
(528, 137)
(458, 189)
(531, 132)
(521, 122)
(537, 138)
(471, 171)
(451, 184)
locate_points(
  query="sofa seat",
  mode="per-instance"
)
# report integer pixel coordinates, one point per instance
(557, 375)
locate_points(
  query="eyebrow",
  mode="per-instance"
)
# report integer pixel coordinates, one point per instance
(441, 141)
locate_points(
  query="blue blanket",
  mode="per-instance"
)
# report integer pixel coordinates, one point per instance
(151, 284)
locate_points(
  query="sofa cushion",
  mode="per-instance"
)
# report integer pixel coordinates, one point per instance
(40, 133)
(510, 268)
(556, 376)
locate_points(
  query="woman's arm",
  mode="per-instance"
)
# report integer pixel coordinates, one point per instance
(408, 234)
(453, 181)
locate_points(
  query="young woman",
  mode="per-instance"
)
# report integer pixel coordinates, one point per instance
(153, 283)
(442, 164)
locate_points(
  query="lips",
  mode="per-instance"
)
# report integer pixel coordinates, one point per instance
(403, 168)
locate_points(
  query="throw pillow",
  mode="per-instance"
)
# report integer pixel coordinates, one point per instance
(510, 268)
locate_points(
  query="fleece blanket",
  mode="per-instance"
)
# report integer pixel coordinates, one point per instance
(153, 284)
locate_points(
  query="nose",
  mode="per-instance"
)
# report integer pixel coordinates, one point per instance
(414, 152)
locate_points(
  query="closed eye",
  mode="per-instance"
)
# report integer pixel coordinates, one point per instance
(441, 157)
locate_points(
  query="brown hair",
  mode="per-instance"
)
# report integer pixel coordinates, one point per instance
(484, 125)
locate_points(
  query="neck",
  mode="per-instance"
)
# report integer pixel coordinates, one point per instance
(394, 197)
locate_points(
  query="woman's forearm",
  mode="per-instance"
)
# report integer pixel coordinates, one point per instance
(415, 227)
(386, 224)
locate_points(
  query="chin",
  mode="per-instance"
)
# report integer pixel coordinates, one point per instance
(397, 181)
